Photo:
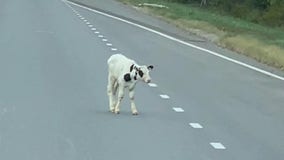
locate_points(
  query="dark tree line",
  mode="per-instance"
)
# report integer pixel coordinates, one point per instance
(269, 12)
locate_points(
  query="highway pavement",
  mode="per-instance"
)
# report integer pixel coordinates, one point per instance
(54, 105)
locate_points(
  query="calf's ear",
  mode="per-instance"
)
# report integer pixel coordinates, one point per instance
(150, 67)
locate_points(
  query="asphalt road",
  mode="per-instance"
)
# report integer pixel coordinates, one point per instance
(54, 106)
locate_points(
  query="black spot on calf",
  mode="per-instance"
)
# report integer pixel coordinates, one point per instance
(135, 77)
(127, 77)
(131, 67)
(140, 73)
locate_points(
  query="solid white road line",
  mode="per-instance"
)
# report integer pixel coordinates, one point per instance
(217, 145)
(180, 41)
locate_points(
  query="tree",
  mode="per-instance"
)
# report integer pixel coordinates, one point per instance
(274, 16)
(203, 2)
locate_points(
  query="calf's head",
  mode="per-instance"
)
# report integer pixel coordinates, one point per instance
(142, 73)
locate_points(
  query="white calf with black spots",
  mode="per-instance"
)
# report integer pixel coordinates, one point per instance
(124, 73)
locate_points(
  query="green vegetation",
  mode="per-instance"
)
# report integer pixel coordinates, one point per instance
(268, 12)
(251, 27)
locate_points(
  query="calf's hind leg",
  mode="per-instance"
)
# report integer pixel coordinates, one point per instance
(111, 93)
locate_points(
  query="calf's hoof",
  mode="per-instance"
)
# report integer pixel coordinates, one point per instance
(135, 113)
(111, 110)
(116, 112)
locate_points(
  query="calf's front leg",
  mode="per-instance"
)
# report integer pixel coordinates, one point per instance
(133, 106)
(119, 99)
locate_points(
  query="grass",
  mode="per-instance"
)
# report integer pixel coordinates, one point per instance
(262, 43)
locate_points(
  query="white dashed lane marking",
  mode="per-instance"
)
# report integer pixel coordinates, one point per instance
(96, 32)
(164, 96)
(196, 125)
(217, 145)
(152, 85)
(177, 109)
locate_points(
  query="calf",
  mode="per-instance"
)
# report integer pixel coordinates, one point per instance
(124, 73)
